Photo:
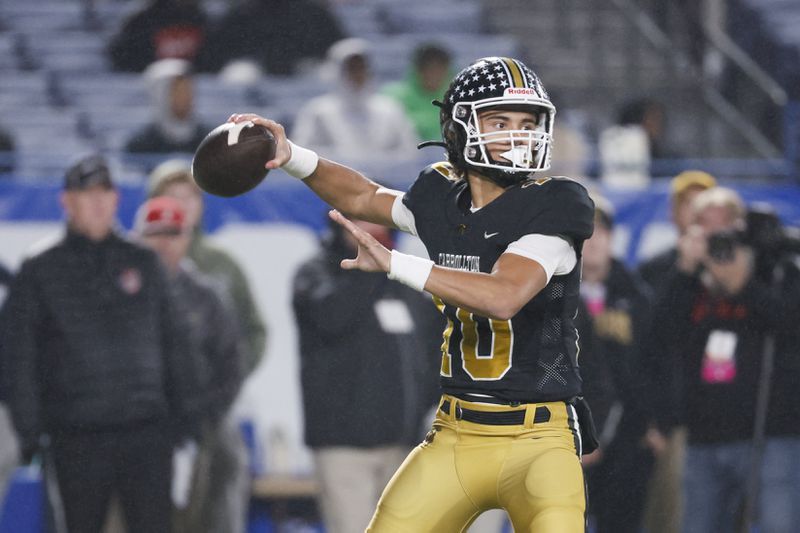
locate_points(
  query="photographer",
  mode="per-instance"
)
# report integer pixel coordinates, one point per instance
(707, 348)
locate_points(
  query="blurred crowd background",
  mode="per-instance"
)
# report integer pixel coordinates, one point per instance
(713, 79)
(656, 101)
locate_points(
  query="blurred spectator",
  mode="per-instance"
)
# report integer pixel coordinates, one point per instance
(649, 115)
(280, 34)
(6, 153)
(624, 154)
(5, 280)
(353, 123)
(710, 327)
(215, 341)
(683, 189)
(162, 29)
(664, 509)
(368, 373)
(174, 178)
(9, 448)
(426, 81)
(174, 127)
(571, 150)
(229, 472)
(98, 373)
(628, 148)
(617, 304)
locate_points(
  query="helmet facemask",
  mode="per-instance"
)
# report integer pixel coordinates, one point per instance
(529, 149)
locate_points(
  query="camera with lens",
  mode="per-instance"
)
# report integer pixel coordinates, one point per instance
(764, 233)
(722, 245)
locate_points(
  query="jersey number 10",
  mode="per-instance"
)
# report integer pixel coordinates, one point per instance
(497, 334)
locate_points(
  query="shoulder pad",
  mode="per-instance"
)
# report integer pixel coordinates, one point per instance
(546, 179)
(443, 168)
(425, 196)
(558, 205)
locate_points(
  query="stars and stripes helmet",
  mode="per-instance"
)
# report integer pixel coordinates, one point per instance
(504, 83)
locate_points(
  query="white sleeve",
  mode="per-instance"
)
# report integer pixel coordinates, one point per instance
(402, 216)
(555, 254)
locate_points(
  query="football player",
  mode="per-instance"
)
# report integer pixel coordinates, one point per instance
(505, 250)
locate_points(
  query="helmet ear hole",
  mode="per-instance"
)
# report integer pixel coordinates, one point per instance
(450, 132)
(454, 139)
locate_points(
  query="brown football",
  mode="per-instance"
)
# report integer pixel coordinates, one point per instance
(230, 160)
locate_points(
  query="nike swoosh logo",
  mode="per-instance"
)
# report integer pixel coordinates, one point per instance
(489, 235)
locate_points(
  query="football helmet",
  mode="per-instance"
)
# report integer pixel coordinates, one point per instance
(497, 83)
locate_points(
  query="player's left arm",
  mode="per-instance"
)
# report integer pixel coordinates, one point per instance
(563, 209)
(513, 282)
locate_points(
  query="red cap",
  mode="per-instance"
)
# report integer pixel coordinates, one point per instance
(162, 215)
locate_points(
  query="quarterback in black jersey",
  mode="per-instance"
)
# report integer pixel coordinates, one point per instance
(504, 247)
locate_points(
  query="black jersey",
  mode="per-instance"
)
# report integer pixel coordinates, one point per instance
(534, 356)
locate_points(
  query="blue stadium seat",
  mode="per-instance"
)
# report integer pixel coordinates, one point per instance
(22, 88)
(292, 92)
(359, 20)
(75, 51)
(392, 55)
(434, 18)
(8, 59)
(42, 17)
(71, 95)
(84, 89)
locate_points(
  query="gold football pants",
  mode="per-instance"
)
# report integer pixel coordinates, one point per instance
(463, 468)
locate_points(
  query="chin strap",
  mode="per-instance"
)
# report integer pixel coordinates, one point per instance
(426, 144)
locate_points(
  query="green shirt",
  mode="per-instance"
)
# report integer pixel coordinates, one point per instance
(223, 269)
(416, 102)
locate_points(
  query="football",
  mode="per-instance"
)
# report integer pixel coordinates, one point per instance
(230, 160)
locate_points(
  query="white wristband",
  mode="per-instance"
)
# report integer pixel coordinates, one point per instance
(410, 270)
(302, 163)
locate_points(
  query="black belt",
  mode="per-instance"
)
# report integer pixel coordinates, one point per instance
(497, 418)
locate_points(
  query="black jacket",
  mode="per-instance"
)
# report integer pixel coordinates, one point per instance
(215, 340)
(278, 34)
(716, 402)
(164, 28)
(363, 385)
(92, 341)
(658, 269)
(5, 282)
(611, 360)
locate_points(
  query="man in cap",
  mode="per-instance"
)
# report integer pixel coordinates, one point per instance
(174, 178)
(722, 337)
(97, 367)
(683, 189)
(664, 508)
(229, 475)
(218, 350)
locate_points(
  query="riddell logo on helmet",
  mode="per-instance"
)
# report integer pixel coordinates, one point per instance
(513, 91)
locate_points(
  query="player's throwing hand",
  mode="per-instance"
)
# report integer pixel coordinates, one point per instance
(283, 151)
